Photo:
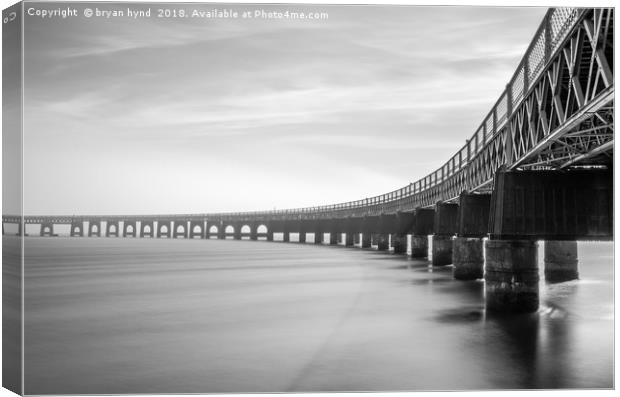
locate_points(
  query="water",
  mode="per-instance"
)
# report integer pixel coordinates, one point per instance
(162, 316)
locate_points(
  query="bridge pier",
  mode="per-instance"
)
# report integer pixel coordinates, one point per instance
(468, 248)
(94, 228)
(399, 242)
(468, 258)
(269, 234)
(419, 246)
(201, 229)
(111, 229)
(47, 229)
(302, 237)
(511, 275)
(77, 229)
(126, 231)
(143, 229)
(561, 261)
(383, 242)
(254, 232)
(286, 236)
(333, 238)
(318, 238)
(356, 238)
(160, 226)
(423, 226)
(445, 228)
(366, 240)
(348, 239)
(180, 225)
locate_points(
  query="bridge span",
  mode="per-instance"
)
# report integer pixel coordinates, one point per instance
(539, 167)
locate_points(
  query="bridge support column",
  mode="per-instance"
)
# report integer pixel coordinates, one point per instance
(445, 226)
(94, 228)
(47, 229)
(286, 237)
(201, 229)
(111, 229)
(419, 246)
(561, 261)
(77, 229)
(511, 275)
(383, 242)
(269, 235)
(333, 238)
(302, 237)
(254, 232)
(366, 240)
(468, 258)
(348, 239)
(318, 237)
(399, 242)
(356, 238)
(144, 232)
(442, 250)
(126, 226)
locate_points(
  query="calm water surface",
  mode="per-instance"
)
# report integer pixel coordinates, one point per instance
(163, 316)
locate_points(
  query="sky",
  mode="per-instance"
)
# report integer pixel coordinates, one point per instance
(196, 115)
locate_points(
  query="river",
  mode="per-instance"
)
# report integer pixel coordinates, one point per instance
(124, 315)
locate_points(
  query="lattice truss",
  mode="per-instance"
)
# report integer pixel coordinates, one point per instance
(568, 118)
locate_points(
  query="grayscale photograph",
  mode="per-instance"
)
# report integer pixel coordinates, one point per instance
(303, 197)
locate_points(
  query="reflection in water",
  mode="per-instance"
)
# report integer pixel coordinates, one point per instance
(191, 316)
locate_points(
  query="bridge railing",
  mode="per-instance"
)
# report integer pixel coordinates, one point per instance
(550, 34)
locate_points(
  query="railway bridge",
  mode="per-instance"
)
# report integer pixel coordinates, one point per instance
(539, 167)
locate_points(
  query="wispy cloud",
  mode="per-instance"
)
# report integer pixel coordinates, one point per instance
(271, 101)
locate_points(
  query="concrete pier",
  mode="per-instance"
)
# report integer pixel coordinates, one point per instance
(146, 229)
(348, 240)
(302, 237)
(419, 246)
(561, 261)
(318, 237)
(269, 235)
(442, 250)
(333, 238)
(511, 275)
(399, 242)
(112, 229)
(468, 258)
(286, 237)
(47, 229)
(366, 240)
(356, 238)
(383, 242)
(77, 229)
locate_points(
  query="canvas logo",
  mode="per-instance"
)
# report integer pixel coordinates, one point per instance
(10, 17)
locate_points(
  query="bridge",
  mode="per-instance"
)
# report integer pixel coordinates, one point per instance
(539, 167)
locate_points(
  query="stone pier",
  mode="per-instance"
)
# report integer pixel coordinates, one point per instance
(399, 242)
(561, 261)
(366, 240)
(511, 275)
(468, 258)
(444, 230)
(472, 227)
(318, 237)
(442, 250)
(383, 242)
(419, 246)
